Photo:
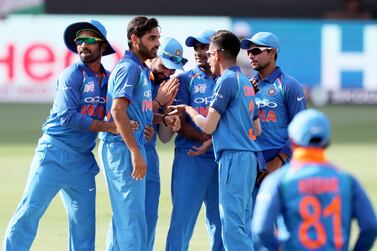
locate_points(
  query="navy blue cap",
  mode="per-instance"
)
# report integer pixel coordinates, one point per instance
(94, 25)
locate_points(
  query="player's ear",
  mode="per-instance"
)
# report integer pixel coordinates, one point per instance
(134, 39)
(103, 48)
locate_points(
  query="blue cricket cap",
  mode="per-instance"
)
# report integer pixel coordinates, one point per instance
(94, 25)
(266, 39)
(310, 128)
(204, 37)
(171, 54)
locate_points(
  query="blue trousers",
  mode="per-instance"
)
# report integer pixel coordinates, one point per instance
(237, 177)
(152, 194)
(128, 228)
(56, 167)
(194, 181)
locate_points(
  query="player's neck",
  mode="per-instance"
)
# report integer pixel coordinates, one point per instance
(95, 67)
(309, 154)
(225, 64)
(265, 72)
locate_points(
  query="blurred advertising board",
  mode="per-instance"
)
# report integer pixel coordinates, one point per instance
(33, 53)
(336, 60)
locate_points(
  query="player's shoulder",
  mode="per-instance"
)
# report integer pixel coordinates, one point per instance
(126, 66)
(289, 81)
(186, 76)
(72, 72)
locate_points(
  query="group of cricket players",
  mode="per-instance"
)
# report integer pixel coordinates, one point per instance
(245, 146)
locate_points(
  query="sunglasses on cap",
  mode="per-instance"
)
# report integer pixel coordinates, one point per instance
(87, 40)
(174, 58)
(258, 50)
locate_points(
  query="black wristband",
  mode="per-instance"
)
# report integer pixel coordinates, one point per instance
(163, 120)
(157, 102)
(281, 158)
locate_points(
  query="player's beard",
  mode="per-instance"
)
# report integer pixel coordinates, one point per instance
(91, 56)
(145, 52)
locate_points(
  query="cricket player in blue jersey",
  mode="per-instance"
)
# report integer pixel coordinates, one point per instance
(279, 98)
(169, 59)
(123, 156)
(233, 121)
(63, 159)
(194, 178)
(317, 200)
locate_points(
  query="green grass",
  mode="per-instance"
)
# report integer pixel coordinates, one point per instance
(354, 149)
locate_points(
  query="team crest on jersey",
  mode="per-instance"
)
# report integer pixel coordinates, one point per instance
(271, 91)
(89, 87)
(201, 88)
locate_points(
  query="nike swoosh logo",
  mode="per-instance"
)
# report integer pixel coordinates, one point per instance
(126, 85)
(300, 98)
(91, 189)
(66, 88)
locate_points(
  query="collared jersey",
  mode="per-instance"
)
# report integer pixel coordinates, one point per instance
(195, 90)
(130, 79)
(79, 98)
(279, 99)
(318, 203)
(234, 99)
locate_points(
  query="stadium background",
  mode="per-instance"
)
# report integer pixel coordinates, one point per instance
(336, 60)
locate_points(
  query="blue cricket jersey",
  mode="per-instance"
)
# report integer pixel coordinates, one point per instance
(79, 98)
(317, 202)
(234, 99)
(130, 79)
(279, 99)
(195, 90)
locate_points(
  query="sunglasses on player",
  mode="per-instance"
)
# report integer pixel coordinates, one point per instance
(87, 40)
(174, 58)
(258, 50)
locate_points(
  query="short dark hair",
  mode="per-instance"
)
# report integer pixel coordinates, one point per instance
(228, 42)
(139, 26)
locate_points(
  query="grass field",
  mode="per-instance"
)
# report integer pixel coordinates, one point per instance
(354, 148)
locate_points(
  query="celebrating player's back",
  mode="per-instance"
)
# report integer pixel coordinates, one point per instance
(317, 200)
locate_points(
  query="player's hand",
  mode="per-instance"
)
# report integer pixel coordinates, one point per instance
(255, 84)
(148, 132)
(134, 125)
(167, 90)
(173, 122)
(204, 137)
(140, 167)
(261, 175)
(199, 150)
(111, 127)
(273, 164)
(177, 109)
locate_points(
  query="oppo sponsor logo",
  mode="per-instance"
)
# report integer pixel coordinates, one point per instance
(148, 94)
(265, 103)
(203, 100)
(95, 99)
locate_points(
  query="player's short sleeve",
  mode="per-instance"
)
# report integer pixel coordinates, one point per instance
(126, 78)
(295, 96)
(224, 92)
